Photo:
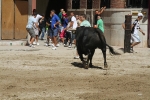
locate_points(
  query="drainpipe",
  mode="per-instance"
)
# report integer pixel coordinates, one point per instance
(149, 24)
(0, 19)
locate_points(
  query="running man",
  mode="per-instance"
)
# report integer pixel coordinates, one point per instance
(135, 39)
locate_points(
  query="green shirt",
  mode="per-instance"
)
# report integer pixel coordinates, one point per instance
(100, 25)
(60, 16)
(85, 23)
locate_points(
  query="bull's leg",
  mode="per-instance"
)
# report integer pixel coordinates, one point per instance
(86, 64)
(80, 53)
(91, 56)
(104, 55)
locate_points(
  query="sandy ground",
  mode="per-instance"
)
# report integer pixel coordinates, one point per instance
(44, 74)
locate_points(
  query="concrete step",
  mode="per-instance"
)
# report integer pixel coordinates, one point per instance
(13, 42)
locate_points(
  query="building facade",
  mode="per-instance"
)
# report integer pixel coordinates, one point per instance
(114, 16)
(14, 19)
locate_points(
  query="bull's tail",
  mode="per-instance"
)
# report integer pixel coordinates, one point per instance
(111, 50)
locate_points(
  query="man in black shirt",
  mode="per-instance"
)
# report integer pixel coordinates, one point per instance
(42, 25)
(98, 13)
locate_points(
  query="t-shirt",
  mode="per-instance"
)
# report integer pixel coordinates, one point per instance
(38, 17)
(73, 19)
(65, 22)
(100, 25)
(31, 22)
(136, 27)
(54, 20)
(85, 23)
(42, 23)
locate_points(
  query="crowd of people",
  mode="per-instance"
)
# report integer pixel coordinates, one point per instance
(60, 28)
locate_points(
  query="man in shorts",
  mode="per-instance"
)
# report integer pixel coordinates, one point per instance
(71, 26)
(135, 39)
(55, 21)
(35, 27)
(29, 28)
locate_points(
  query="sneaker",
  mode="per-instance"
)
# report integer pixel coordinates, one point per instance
(77, 57)
(52, 45)
(34, 43)
(54, 48)
(37, 44)
(65, 45)
(31, 46)
(69, 46)
(57, 45)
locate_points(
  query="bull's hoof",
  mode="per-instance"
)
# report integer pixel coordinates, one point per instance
(90, 65)
(105, 66)
(85, 65)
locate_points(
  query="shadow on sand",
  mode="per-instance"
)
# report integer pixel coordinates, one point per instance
(80, 65)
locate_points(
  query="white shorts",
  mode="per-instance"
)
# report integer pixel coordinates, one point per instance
(36, 30)
(135, 38)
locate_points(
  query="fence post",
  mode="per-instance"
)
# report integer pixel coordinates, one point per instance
(85, 11)
(127, 37)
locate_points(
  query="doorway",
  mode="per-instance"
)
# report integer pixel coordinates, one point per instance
(56, 5)
(14, 19)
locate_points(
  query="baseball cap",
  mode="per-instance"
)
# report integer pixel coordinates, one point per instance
(140, 14)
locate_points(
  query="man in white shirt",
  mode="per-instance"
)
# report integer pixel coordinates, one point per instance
(72, 26)
(36, 28)
(29, 28)
(135, 39)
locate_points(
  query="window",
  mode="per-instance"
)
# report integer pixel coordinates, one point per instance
(105, 3)
(137, 3)
(75, 4)
(89, 4)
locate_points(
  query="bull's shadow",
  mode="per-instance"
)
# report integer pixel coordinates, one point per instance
(80, 65)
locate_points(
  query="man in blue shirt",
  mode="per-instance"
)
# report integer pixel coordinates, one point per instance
(55, 21)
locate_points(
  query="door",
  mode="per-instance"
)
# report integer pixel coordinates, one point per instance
(7, 19)
(14, 19)
(21, 18)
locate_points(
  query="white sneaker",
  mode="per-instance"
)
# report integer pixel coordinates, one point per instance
(34, 43)
(52, 45)
(57, 45)
(37, 44)
(54, 48)
(47, 45)
(69, 46)
(31, 46)
(77, 57)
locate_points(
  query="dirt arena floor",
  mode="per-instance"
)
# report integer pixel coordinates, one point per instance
(44, 74)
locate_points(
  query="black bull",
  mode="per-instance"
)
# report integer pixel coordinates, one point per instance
(87, 40)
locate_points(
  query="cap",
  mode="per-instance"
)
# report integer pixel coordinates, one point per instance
(140, 14)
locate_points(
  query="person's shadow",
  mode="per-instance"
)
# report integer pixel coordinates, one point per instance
(80, 65)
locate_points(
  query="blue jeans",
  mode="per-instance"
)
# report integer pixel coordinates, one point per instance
(43, 32)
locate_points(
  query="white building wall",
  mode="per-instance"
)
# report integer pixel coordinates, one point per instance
(113, 19)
